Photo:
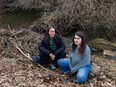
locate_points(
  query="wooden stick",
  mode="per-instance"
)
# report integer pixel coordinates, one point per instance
(28, 56)
(12, 32)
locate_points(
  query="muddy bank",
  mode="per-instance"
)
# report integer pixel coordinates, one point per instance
(17, 70)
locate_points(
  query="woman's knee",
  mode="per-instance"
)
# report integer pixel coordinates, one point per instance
(80, 79)
(82, 75)
(62, 62)
(59, 62)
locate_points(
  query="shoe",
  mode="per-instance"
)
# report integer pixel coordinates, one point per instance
(48, 67)
(53, 67)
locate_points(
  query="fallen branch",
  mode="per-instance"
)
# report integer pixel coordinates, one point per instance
(29, 57)
(26, 55)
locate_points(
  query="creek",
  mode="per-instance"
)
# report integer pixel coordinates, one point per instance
(18, 18)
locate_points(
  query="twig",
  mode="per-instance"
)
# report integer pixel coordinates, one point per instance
(12, 32)
(28, 56)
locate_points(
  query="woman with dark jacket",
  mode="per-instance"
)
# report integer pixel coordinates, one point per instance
(52, 48)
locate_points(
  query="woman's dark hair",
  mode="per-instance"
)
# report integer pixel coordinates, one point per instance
(47, 36)
(83, 43)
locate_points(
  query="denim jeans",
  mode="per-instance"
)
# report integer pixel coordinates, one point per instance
(36, 59)
(82, 72)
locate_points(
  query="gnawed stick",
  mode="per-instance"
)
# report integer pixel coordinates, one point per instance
(12, 32)
(26, 55)
(29, 57)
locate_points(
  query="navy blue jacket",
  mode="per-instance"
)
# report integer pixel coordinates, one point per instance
(60, 46)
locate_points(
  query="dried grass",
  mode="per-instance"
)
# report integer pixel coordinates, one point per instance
(97, 18)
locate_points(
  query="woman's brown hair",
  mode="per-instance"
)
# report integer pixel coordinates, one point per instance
(83, 43)
(47, 36)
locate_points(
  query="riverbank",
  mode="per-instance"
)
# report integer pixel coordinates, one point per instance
(17, 70)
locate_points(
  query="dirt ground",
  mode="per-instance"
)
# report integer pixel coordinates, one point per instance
(18, 71)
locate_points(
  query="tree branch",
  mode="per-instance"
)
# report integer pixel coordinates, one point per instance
(29, 57)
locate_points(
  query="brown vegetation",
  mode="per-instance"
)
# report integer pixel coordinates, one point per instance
(96, 18)
(2, 6)
(17, 70)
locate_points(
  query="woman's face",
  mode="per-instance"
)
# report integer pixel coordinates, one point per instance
(52, 32)
(77, 40)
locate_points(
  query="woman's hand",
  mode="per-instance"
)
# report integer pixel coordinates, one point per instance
(52, 56)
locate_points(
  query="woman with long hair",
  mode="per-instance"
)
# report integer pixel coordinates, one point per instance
(79, 61)
(52, 48)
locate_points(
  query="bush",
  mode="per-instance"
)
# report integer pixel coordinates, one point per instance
(95, 17)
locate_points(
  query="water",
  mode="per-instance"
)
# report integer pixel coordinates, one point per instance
(18, 19)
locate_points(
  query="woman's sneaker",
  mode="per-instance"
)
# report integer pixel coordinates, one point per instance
(53, 67)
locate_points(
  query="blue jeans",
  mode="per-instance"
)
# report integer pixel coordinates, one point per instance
(82, 72)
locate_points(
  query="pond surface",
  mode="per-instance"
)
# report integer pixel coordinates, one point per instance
(18, 19)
